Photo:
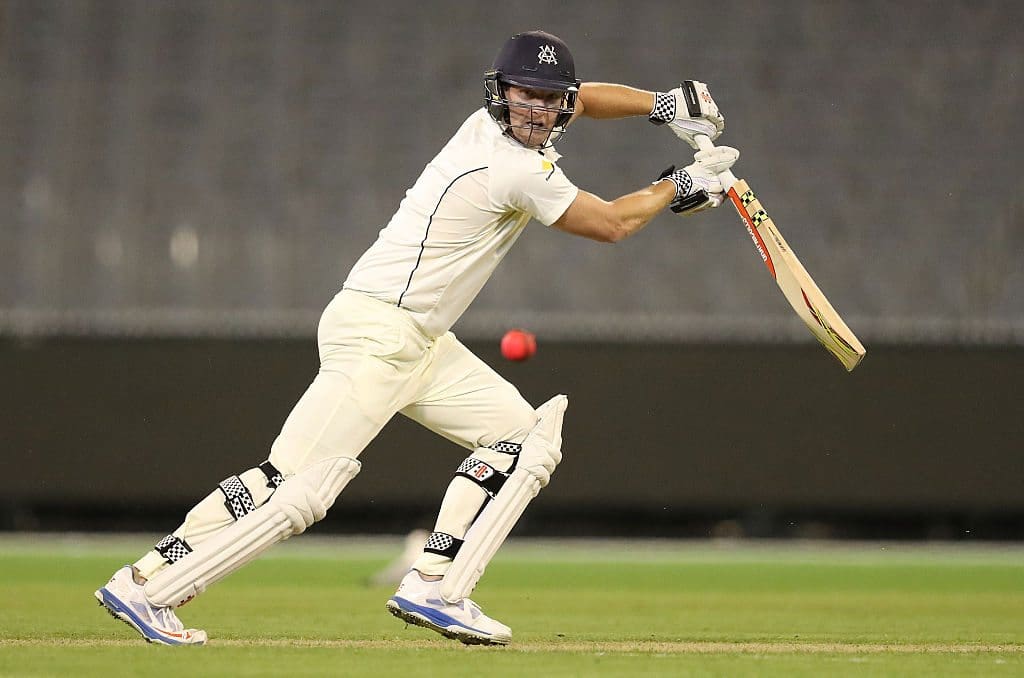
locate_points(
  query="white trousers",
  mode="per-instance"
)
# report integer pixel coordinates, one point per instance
(374, 363)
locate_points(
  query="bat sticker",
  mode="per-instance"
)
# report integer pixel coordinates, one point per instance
(825, 326)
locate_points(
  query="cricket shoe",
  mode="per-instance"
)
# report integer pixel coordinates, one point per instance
(126, 600)
(419, 602)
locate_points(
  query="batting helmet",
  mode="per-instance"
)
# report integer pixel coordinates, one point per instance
(534, 60)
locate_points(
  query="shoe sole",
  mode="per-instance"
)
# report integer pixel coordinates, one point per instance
(115, 609)
(461, 634)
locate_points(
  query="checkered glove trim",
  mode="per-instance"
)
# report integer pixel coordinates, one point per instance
(442, 544)
(506, 447)
(172, 548)
(682, 180)
(664, 108)
(238, 500)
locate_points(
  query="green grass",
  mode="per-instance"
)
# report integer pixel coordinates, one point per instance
(576, 609)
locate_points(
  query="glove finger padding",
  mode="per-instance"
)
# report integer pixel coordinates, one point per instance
(718, 159)
(704, 179)
(700, 103)
(689, 110)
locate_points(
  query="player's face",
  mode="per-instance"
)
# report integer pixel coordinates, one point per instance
(532, 114)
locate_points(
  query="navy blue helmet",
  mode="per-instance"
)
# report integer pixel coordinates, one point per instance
(533, 60)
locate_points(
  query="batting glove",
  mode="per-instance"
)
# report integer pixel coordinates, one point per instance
(689, 110)
(698, 186)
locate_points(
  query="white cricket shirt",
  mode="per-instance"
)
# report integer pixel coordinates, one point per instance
(458, 220)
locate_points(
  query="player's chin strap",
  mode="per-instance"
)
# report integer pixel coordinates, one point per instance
(297, 503)
(541, 453)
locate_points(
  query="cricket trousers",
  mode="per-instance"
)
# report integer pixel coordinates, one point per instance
(375, 362)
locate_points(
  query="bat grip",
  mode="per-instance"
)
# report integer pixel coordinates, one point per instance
(704, 144)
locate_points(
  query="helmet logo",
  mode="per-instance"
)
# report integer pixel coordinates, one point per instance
(546, 55)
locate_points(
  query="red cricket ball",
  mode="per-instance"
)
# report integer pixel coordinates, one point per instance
(518, 345)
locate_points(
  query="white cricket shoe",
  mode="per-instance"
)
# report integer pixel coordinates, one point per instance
(419, 602)
(126, 600)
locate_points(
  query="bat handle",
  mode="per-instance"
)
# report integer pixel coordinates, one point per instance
(704, 144)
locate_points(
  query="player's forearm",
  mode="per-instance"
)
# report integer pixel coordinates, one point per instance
(634, 210)
(611, 221)
(605, 101)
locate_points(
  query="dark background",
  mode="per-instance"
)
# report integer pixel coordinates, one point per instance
(674, 439)
(185, 185)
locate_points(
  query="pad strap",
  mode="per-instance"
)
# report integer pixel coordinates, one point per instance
(483, 474)
(443, 544)
(507, 447)
(237, 498)
(274, 477)
(172, 548)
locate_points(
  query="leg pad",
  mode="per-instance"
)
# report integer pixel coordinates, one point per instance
(300, 501)
(541, 452)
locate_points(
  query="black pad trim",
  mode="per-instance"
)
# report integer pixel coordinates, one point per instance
(237, 499)
(506, 447)
(274, 477)
(443, 544)
(172, 548)
(483, 474)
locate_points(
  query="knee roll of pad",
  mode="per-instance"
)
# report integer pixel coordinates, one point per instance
(542, 449)
(306, 496)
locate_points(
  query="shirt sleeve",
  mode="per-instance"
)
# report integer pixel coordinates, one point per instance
(533, 184)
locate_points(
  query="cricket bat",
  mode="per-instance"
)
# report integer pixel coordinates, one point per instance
(792, 278)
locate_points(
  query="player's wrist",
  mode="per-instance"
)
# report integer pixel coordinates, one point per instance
(663, 109)
(680, 179)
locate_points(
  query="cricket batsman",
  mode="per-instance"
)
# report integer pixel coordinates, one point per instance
(386, 347)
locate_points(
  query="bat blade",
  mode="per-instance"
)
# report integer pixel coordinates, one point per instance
(793, 279)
